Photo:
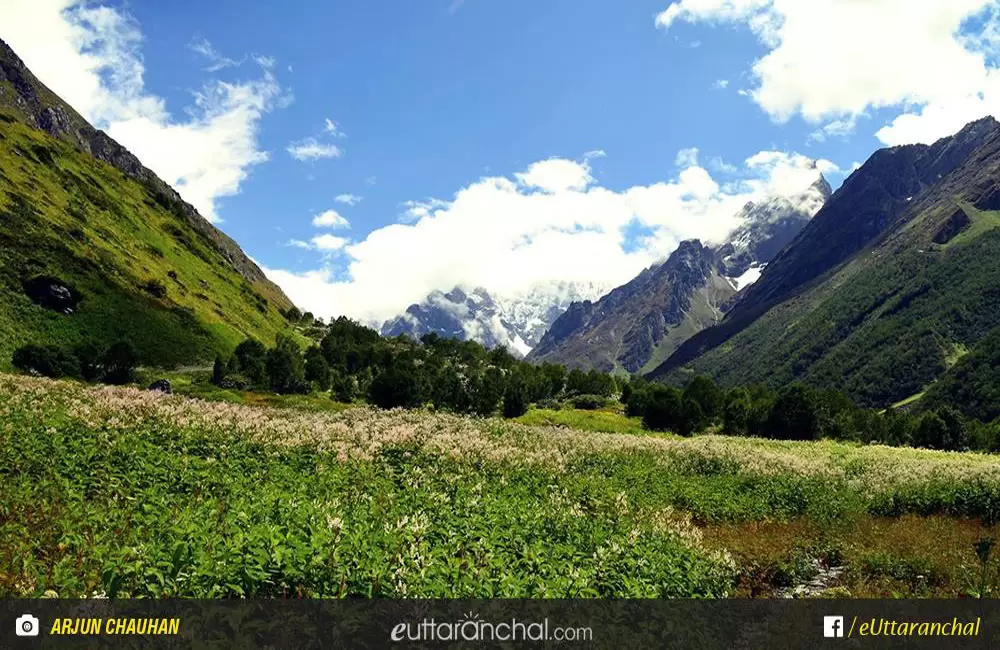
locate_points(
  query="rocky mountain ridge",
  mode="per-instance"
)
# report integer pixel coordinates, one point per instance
(637, 325)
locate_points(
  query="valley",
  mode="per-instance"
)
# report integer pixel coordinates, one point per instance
(797, 396)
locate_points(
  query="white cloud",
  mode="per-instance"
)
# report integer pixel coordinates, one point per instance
(551, 223)
(91, 56)
(330, 219)
(835, 129)
(717, 164)
(312, 149)
(325, 243)
(348, 199)
(332, 128)
(216, 61)
(328, 242)
(416, 210)
(687, 158)
(556, 175)
(835, 59)
(721, 84)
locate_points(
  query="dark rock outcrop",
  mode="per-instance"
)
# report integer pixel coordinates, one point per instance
(955, 224)
(52, 293)
(161, 386)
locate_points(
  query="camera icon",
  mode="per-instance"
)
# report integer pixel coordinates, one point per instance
(26, 625)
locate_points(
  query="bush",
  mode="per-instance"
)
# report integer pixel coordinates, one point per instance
(48, 361)
(692, 417)
(943, 429)
(119, 363)
(737, 412)
(588, 402)
(155, 288)
(661, 408)
(250, 360)
(218, 370)
(399, 385)
(795, 415)
(515, 398)
(89, 356)
(486, 391)
(317, 370)
(344, 388)
(235, 381)
(285, 367)
(635, 403)
(549, 404)
(707, 395)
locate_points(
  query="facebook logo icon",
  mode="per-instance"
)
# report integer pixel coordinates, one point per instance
(833, 626)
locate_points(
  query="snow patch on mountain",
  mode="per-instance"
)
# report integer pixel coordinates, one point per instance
(751, 275)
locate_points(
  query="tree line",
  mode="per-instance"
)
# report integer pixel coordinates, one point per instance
(113, 365)
(801, 412)
(353, 362)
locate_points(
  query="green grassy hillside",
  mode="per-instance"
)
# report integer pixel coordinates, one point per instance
(143, 271)
(883, 327)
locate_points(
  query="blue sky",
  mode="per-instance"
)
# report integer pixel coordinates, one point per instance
(431, 97)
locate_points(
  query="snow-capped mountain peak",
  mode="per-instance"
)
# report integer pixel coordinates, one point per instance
(516, 321)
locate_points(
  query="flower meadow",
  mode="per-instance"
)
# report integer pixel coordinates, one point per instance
(119, 492)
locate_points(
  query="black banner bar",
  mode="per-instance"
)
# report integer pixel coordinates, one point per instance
(618, 624)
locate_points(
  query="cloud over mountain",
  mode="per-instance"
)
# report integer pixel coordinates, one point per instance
(552, 223)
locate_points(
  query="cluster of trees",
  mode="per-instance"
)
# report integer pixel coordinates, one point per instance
(114, 365)
(800, 412)
(353, 361)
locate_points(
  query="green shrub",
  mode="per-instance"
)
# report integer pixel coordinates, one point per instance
(119, 363)
(661, 408)
(588, 402)
(515, 398)
(48, 361)
(549, 405)
(344, 388)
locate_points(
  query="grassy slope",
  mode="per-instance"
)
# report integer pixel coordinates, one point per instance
(603, 421)
(882, 328)
(124, 492)
(65, 214)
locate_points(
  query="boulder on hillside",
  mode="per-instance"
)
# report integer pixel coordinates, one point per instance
(52, 293)
(162, 386)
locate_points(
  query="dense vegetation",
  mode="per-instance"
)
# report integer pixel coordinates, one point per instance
(89, 256)
(801, 412)
(121, 492)
(353, 361)
(974, 382)
(350, 362)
